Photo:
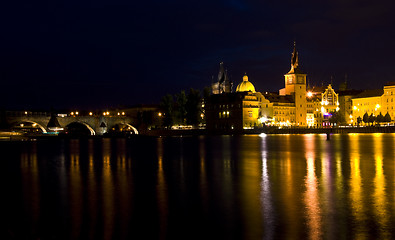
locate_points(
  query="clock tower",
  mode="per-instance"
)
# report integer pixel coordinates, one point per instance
(295, 85)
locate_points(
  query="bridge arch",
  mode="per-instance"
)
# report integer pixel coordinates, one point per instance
(34, 124)
(121, 128)
(133, 128)
(75, 124)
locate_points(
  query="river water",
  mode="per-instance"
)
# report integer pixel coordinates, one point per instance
(204, 187)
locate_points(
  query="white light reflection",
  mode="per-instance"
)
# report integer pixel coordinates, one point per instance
(266, 198)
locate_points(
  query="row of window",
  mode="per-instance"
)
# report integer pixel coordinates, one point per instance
(224, 114)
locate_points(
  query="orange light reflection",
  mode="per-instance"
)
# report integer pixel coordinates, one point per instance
(311, 195)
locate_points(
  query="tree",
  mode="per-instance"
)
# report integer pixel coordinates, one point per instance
(372, 119)
(380, 118)
(193, 107)
(206, 93)
(359, 120)
(387, 117)
(365, 118)
(167, 105)
(340, 119)
(180, 112)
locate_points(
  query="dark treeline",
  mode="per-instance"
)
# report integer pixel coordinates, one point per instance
(183, 108)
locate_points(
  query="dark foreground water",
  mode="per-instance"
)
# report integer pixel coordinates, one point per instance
(217, 187)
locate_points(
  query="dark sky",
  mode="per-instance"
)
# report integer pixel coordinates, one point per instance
(96, 54)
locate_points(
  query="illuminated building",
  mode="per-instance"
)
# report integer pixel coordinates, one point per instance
(375, 102)
(369, 101)
(295, 85)
(223, 84)
(329, 104)
(345, 104)
(248, 108)
(237, 110)
(314, 114)
(387, 100)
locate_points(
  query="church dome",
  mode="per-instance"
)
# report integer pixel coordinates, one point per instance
(245, 85)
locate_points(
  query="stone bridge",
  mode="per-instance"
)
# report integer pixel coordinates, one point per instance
(95, 124)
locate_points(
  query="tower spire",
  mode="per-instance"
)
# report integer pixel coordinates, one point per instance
(295, 61)
(295, 58)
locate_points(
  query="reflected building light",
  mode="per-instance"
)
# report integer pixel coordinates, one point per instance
(356, 188)
(266, 197)
(311, 195)
(161, 189)
(379, 196)
(107, 191)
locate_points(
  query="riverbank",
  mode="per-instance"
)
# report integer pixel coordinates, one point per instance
(274, 130)
(18, 136)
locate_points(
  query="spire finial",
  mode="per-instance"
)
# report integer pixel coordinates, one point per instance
(294, 59)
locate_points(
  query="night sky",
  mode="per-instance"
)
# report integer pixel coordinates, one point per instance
(98, 54)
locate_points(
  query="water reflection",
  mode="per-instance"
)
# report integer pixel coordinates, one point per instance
(161, 191)
(31, 187)
(266, 198)
(108, 209)
(225, 187)
(356, 186)
(75, 189)
(379, 196)
(311, 196)
(91, 191)
(250, 167)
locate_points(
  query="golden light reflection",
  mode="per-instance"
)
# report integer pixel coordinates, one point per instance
(75, 189)
(91, 188)
(289, 188)
(203, 174)
(31, 185)
(250, 192)
(311, 195)
(356, 185)
(108, 191)
(123, 186)
(328, 198)
(379, 195)
(161, 190)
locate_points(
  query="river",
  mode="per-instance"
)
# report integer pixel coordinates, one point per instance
(202, 187)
